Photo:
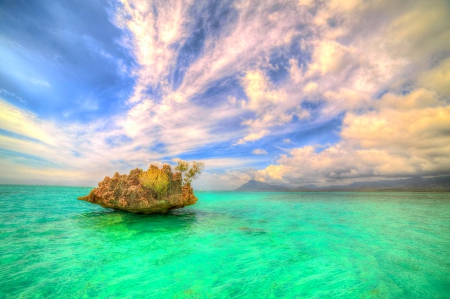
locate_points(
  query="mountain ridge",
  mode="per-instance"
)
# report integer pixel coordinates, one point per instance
(256, 186)
(435, 184)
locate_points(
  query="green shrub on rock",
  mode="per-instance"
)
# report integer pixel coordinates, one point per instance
(155, 179)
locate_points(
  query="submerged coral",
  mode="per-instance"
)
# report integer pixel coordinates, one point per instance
(152, 191)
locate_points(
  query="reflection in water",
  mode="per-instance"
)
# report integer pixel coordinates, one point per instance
(110, 221)
(254, 231)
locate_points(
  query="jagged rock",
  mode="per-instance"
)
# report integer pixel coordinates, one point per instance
(125, 192)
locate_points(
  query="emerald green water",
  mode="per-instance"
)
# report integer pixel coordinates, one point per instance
(228, 245)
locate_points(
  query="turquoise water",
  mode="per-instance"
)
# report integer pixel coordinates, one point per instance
(228, 245)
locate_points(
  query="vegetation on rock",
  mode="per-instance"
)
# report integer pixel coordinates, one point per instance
(156, 179)
(152, 191)
(189, 173)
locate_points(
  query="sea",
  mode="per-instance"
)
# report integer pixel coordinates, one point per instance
(228, 245)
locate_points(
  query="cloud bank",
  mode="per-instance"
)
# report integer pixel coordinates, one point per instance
(280, 91)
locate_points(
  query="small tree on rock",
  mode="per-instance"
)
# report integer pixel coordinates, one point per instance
(191, 173)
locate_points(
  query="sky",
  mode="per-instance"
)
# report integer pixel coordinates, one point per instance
(284, 92)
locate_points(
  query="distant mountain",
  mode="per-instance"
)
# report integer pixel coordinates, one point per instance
(411, 184)
(255, 186)
(310, 186)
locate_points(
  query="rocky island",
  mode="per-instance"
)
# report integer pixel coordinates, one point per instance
(147, 192)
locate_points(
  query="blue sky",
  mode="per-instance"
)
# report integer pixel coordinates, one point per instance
(286, 92)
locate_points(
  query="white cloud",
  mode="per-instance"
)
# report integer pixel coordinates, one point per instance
(421, 30)
(310, 87)
(21, 122)
(259, 28)
(305, 2)
(40, 82)
(229, 180)
(213, 164)
(259, 151)
(272, 107)
(359, 50)
(153, 30)
(154, 47)
(438, 78)
(253, 137)
(330, 57)
(6, 93)
(407, 139)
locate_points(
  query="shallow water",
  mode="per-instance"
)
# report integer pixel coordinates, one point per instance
(228, 245)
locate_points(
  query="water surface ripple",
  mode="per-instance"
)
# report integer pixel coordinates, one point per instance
(228, 245)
